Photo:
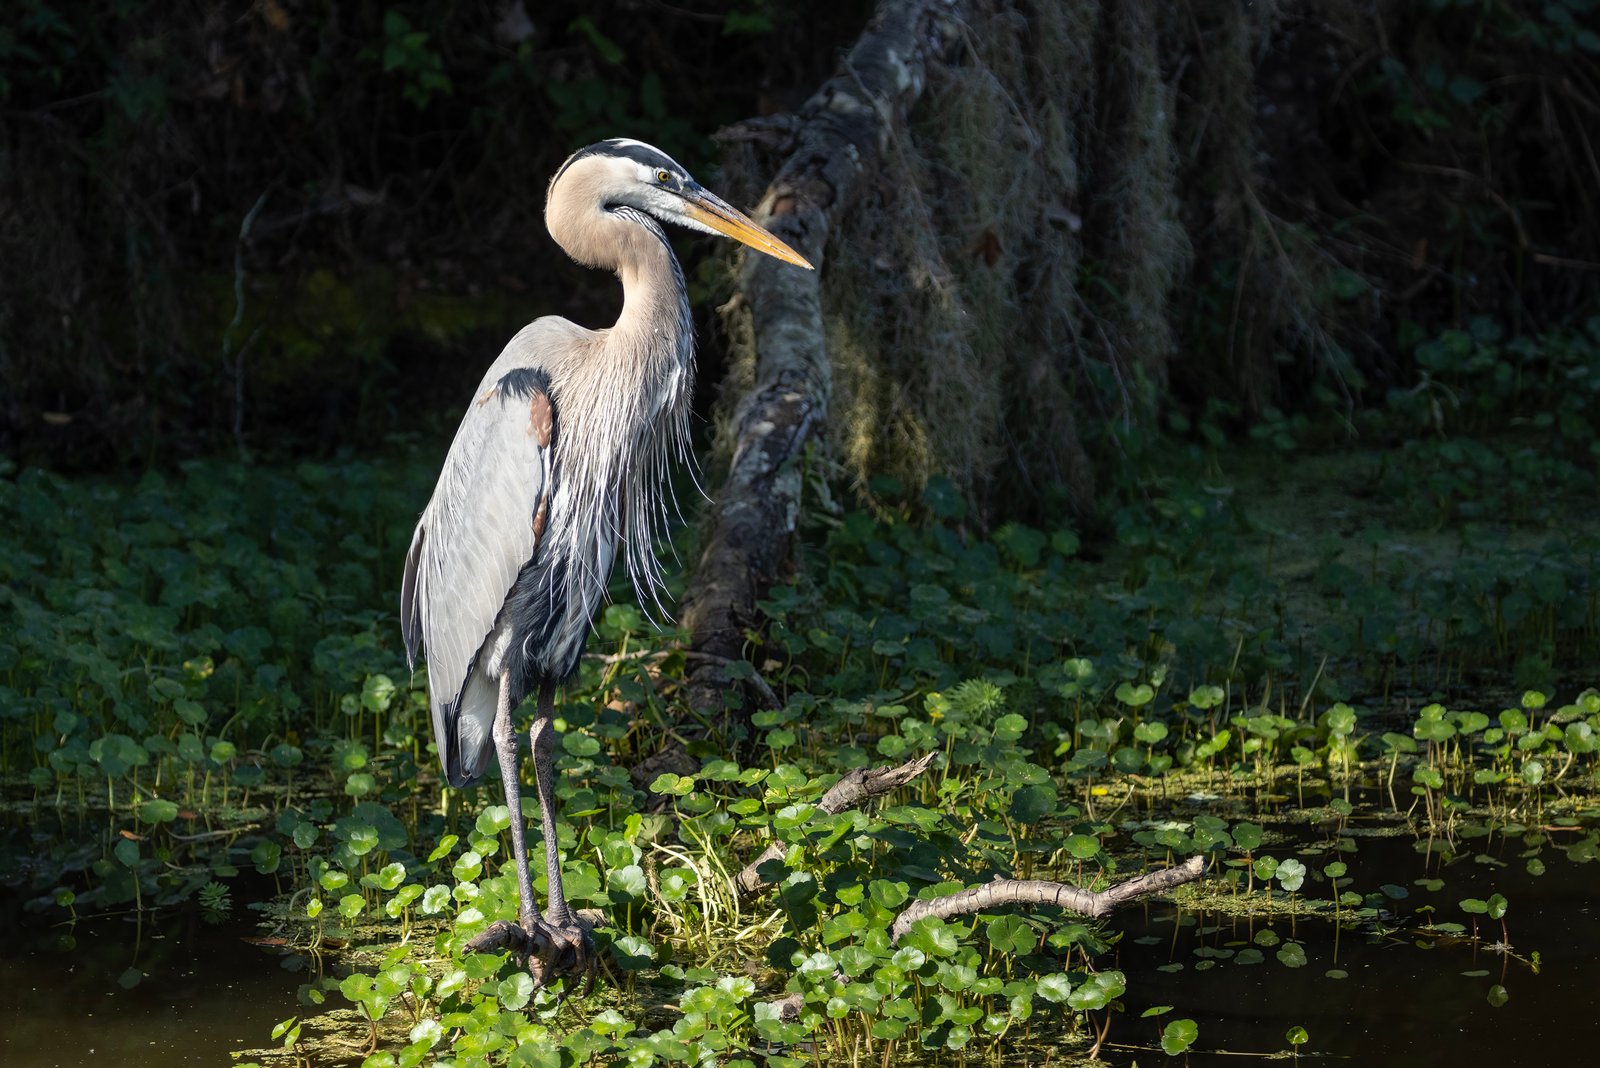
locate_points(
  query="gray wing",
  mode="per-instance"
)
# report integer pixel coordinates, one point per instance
(482, 525)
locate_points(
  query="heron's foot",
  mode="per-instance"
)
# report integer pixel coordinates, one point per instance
(548, 950)
(561, 949)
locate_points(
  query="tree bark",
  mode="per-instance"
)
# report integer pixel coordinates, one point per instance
(838, 138)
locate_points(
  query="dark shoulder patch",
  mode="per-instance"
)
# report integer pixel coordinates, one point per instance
(523, 383)
(532, 385)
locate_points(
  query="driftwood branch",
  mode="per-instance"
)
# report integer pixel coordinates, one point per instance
(1003, 892)
(856, 787)
(838, 137)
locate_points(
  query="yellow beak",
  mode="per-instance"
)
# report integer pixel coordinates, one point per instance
(708, 209)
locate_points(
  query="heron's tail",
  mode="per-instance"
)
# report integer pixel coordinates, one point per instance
(463, 730)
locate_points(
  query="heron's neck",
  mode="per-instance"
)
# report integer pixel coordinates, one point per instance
(655, 308)
(655, 302)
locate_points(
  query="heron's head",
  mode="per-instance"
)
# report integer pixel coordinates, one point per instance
(625, 173)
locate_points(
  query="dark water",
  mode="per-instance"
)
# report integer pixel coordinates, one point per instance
(1400, 1006)
(203, 991)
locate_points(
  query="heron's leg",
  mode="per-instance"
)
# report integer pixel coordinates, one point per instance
(519, 938)
(556, 943)
(573, 948)
(505, 747)
(542, 737)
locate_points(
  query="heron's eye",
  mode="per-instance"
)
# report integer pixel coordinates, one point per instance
(663, 177)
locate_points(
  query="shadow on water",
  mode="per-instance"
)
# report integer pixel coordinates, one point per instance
(1405, 999)
(170, 989)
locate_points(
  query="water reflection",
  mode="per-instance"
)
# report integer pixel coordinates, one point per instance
(117, 991)
(1401, 1000)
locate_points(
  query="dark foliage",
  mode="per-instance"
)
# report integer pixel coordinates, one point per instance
(200, 192)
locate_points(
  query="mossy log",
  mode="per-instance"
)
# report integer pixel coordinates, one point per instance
(838, 137)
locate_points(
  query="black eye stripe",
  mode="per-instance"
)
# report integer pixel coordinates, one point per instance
(652, 158)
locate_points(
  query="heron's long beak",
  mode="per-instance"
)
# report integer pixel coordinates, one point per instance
(710, 210)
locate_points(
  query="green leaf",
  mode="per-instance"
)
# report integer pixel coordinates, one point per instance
(435, 900)
(888, 895)
(514, 991)
(491, 821)
(1055, 988)
(932, 936)
(1291, 874)
(1135, 696)
(1150, 732)
(391, 875)
(1012, 934)
(1098, 991)
(377, 693)
(159, 810)
(609, 50)
(1178, 1036)
(1082, 846)
(446, 844)
(626, 882)
(633, 953)
(672, 784)
(1033, 803)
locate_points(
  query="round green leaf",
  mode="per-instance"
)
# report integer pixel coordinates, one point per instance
(1178, 1036)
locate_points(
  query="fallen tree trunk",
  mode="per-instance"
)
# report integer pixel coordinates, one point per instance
(836, 142)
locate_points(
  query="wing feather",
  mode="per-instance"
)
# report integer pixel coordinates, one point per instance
(482, 525)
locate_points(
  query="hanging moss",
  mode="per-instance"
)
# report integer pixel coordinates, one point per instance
(950, 305)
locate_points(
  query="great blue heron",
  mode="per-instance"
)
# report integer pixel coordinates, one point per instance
(558, 468)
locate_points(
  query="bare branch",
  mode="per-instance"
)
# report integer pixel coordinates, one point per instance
(1004, 892)
(854, 788)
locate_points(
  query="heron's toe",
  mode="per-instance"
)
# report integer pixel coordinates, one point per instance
(562, 950)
